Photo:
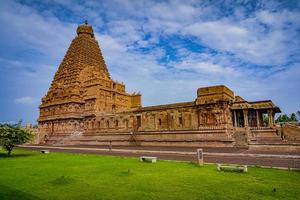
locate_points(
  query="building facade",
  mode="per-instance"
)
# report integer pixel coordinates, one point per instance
(85, 106)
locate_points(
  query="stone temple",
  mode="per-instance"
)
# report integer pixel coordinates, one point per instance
(84, 105)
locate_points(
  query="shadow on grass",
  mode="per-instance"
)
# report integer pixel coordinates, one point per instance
(62, 180)
(14, 194)
(125, 173)
(195, 164)
(4, 155)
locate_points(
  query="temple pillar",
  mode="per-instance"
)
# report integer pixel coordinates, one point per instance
(258, 118)
(246, 121)
(235, 121)
(198, 118)
(52, 127)
(270, 118)
(155, 125)
(168, 121)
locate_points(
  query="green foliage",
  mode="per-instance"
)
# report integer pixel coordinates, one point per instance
(12, 135)
(285, 118)
(32, 175)
(265, 118)
(293, 117)
(35, 126)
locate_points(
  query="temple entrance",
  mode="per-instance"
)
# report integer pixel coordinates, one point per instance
(138, 122)
(265, 120)
(240, 118)
(252, 118)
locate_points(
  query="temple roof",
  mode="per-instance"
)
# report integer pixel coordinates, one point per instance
(240, 103)
(239, 99)
(266, 104)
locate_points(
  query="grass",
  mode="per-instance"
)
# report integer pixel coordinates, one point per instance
(31, 175)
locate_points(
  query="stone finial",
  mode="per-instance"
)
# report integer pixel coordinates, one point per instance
(85, 29)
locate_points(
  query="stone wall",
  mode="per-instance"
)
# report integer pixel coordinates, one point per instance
(291, 132)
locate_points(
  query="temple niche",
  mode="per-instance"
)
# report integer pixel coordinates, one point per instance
(84, 101)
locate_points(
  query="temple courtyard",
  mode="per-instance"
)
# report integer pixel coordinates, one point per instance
(29, 174)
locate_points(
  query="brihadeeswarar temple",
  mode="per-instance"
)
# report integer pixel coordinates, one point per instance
(84, 105)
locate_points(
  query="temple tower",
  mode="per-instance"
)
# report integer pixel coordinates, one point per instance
(82, 85)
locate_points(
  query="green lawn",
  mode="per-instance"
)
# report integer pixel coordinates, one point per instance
(31, 175)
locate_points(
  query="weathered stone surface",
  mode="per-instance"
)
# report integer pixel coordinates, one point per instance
(214, 94)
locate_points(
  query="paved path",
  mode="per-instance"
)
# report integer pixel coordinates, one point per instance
(211, 155)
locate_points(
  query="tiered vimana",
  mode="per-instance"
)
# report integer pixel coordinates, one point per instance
(85, 106)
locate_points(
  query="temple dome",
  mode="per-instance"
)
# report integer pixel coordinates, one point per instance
(85, 29)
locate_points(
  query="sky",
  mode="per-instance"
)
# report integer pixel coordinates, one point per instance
(163, 49)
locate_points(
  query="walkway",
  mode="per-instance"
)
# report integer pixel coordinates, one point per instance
(211, 155)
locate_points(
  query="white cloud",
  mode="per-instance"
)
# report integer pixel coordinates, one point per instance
(46, 35)
(172, 11)
(206, 67)
(26, 100)
(246, 39)
(262, 38)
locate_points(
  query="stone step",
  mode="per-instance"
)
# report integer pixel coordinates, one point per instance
(224, 138)
(167, 138)
(98, 132)
(267, 136)
(268, 139)
(163, 143)
(278, 143)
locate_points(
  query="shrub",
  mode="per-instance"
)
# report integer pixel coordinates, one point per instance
(12, 135)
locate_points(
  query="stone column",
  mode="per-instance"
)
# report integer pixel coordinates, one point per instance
(235, 121)
(198, 119)
(258, 118)
(246, 121)
(270, 118)
(154, 119)
(168, 120)
(52, 127)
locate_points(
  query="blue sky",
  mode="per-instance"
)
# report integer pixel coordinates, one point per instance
(164, 49)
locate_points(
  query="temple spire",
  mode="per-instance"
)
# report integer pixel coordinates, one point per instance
(85, 28)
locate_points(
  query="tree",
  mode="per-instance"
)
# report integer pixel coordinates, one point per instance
(293, 117)
(285, 118)
(265, 118)
(12, 135)
(279, 119)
